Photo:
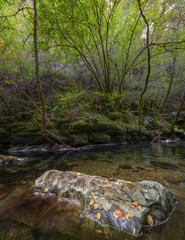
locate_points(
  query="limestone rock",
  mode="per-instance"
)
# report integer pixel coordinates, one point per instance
(108, 196)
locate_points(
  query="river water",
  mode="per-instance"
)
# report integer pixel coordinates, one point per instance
(22, 218)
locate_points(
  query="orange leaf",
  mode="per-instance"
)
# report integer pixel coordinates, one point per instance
(91, 203)
(45, 190)
(134, 204)
(118, 213)
(139, 207)
(98, 215)
(127, 215)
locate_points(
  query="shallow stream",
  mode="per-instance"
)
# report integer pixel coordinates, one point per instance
(164, 163)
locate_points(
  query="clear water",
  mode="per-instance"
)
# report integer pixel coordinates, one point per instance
(21, 217)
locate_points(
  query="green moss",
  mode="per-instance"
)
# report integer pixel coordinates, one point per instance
(81, 125)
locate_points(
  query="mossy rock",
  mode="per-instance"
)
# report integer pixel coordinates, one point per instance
(99, 137)
(78, 139)
(108, 127)
(81, 126)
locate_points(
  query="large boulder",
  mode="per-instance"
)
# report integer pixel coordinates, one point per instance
(120, 204)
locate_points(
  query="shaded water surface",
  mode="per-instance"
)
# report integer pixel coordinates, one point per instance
(23, 216)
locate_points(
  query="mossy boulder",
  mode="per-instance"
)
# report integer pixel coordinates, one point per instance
(78, 139)
(99, 137)
(80, 126)
(108, 127)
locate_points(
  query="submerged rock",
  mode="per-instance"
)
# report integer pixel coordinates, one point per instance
(11, 160)
(100, 199)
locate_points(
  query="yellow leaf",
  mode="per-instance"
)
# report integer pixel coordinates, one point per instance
(127, 215)
(98, 215)
(150, 220)
(139, 207)
(78, 173)
(118, 213)
(45, 190)
(129, 182)
(91, 203)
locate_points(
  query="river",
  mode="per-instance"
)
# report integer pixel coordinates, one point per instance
(164, 163)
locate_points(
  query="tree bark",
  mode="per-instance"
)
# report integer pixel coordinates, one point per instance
(148, 63)
(37, 72)
(178, 114)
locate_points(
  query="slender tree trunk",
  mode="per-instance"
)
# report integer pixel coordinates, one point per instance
(178, 114)
(41, 95)
(169, 87)
(148, 62)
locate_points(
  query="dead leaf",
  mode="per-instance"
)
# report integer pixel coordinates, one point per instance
(45, 190)
(134, 204)
(118, 213)
(129, 182)
(150, 220)
(127, 215)
(98, 215)
(139, 207)
(91, 203)
(145, 191)
(78, 173)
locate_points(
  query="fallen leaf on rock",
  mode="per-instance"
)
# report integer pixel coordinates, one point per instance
(127, 215)
(118, 213)
(91, 203)
(150, 220)
(78, 173)
(145, 191)
(134, 204)
(98, 215)
(139, 207)
(129, 182)
(45, 190)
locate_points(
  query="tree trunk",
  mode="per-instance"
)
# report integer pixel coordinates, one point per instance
(178, 114)
(148, 63)
(169, 87)
(41, 95)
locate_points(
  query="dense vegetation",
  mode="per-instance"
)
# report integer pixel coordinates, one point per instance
(120, 62)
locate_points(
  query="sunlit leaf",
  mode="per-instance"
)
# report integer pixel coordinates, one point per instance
(127, 215)
(45, 190)
(78, 173)
(91, 203)
(139, 207)
(98, 215)
(118, 213)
